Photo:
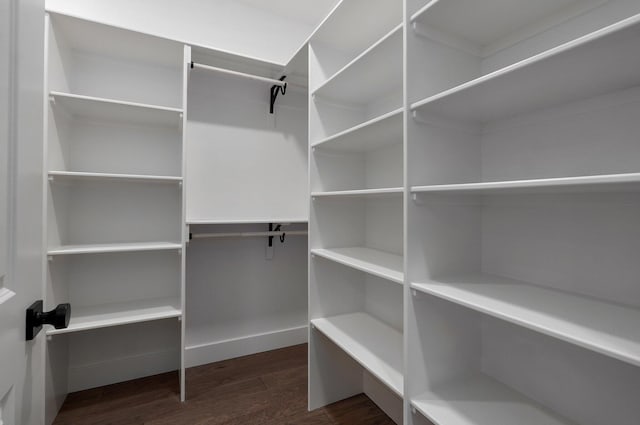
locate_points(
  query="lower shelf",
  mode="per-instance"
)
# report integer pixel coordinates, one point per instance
(601, 326)
(374, 345)
(481, 400)
(103, 316)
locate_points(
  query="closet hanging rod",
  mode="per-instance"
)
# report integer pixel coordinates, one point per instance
(248, 234)
(273, 81)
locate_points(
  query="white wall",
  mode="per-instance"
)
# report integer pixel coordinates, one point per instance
(228, 25)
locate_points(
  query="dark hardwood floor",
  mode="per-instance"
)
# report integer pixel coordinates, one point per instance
(267, 389)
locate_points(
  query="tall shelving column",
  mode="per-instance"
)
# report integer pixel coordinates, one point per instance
(523, 304)
(356, 182)
(115, 208)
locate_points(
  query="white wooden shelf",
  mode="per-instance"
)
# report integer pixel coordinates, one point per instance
(604, 327)
(480, 400)
(372, 261)
(81, 175)
(103, 316)
(360, 193)
(597, 183)
(336, 31)
(374, 345)
(368, 136)
(111, 109)
(601, 62)
(373, 73)
(113, 247)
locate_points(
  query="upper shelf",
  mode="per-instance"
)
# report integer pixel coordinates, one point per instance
(80, 176)
(112, 41)
(337, 30)
(477, 28)
(102, 316)
(481, 400)
(110, 109)
(371, 135)
(113, 247)
(601, 62)
(600, 326)
(601, 183)
(360, 193)
(372, 261)
(374, 73)
(373, 344)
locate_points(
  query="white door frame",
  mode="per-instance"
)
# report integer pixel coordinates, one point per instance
(22, 53)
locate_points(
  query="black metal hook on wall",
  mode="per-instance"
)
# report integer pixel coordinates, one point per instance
(275, 228)
(275, 89)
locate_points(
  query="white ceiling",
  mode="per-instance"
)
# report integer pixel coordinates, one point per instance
(309, 12)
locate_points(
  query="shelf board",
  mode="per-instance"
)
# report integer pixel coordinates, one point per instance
(113, 247)
(116, 110)
(336, 30)
(601, 62)
(104, 316)
(372, 261)
(373, 73)
(481, 400)
(387, 191)
(81, 175)
(598, 183)
(368, 136)
(374, 345)
(604, 327)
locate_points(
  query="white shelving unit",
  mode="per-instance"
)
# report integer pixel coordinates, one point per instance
(521, 176)
(114, 166)
(373, 344)
(356, 271)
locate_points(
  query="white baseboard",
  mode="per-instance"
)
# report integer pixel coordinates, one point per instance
(200, 354)
(94, 375)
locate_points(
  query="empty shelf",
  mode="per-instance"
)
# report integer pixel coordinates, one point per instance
(372, 74)
(103, 316)
(109, 109)
(80, 175)
(480, 400)
(374, 345)
(604, 327)
(602, 183)
(598, 63)
(113, 247)
(373, 134)
(377, 263)
(359, 193)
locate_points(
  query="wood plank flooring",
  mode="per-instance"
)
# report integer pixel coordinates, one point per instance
(266, 389)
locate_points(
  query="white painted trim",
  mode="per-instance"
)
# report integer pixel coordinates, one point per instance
(215, 351)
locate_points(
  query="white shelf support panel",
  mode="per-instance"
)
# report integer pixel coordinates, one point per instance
(377, 263)
(607, 328)
(96, 317)
(374, 345)
(480, 400)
